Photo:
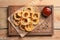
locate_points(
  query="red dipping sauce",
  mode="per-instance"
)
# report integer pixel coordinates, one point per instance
(46, 11)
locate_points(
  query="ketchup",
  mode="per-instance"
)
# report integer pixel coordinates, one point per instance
(46, 11)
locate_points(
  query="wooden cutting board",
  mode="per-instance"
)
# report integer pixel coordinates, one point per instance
(40, 30)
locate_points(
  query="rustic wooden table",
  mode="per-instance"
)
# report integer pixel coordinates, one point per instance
(3, 19)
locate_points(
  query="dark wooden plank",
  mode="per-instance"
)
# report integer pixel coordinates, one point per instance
(48, 31)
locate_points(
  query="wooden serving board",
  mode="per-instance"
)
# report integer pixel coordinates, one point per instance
(40, 30)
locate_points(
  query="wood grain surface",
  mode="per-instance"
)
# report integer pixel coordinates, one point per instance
(3, 36)
(3, 30)
(6, 3)
(3, 17)
(3, 26)
(57, 17)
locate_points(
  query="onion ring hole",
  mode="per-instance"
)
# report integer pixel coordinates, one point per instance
(17, 16)
(25, 14)
(35, 15)
(34, 20)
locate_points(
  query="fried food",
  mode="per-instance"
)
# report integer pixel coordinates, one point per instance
(35, 21)
(26, 14)
(26, 19)
(29, 27)
(16, 16)
(22, 27)
(36, 15)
